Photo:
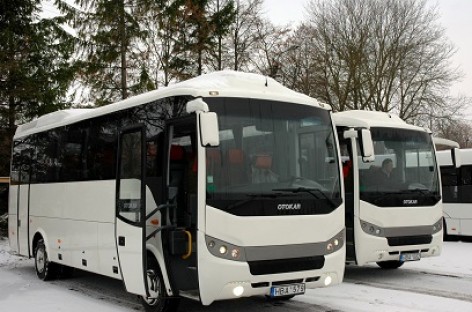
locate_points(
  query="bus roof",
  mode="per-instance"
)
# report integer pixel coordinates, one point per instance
(217, 84)
(369, 119)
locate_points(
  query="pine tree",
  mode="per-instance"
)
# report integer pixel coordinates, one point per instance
(35, 67)
(203, 24)
(110, 37)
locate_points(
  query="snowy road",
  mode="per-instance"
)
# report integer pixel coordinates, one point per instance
(435, 284)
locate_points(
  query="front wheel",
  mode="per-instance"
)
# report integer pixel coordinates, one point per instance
(389, 265)
(158, 300)
(45, 270)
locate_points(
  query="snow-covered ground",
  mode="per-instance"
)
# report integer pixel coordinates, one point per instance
(433, 284)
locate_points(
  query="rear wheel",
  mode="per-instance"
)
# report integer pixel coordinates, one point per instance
(45, 270)
(391, 264)
(158, 300)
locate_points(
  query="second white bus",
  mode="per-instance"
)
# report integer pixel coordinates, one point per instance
(393, 201)
(456, 177)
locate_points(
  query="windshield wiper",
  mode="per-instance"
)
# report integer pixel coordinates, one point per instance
(382, 196)
(424, 192)
(309, 190)
(253, 197)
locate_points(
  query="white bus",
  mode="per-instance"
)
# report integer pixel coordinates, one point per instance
(456, 178)
(224, 186)
(393, 201)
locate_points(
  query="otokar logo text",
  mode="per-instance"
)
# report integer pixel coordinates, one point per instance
(297, 206)
(410, 202)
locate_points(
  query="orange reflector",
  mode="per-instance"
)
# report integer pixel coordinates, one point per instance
(59, 241)
(155, 221)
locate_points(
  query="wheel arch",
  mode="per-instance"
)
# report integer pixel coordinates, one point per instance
(40, 234)
(152, 251)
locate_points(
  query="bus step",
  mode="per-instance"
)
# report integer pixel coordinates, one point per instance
(190, 294)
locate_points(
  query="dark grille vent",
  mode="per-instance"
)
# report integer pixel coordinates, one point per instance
(286, 265)
(409, 240)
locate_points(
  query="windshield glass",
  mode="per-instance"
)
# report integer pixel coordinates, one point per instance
(274, 158)
(404, 171)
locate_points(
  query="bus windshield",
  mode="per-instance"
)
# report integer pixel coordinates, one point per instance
(404, 171)
(274, 158)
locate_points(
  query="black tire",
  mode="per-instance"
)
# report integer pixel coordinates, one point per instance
(162, 303)
(446, 237)
(45, 270)
(390, 265)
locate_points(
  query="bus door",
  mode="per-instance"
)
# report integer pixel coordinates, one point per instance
(130, 210)
(348, 176)
(22, 230)
(181, 190)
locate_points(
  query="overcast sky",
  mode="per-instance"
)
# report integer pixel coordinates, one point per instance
(455, 16)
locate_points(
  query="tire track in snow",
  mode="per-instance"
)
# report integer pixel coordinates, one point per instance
(414, 289)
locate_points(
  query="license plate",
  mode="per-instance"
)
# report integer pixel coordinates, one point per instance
(410, 256)
(287, 290)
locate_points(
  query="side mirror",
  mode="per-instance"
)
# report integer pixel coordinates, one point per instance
(367, 145)
(209, 132)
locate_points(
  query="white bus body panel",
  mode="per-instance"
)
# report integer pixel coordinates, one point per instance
(131, 257)
(458, 218)
(23, 220)
(13, 218)
(221, 275)
(78, 222)
(370, 248)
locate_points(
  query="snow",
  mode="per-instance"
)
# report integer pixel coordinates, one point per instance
(433, 284)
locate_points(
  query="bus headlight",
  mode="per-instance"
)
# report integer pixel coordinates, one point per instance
(222, 249)
(372, 229)
(335, 243)
(437, 226)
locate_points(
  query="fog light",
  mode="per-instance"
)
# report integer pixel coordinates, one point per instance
(223, 249)
(328, 280)
(329, 247)
(238, 291)
(211, 244)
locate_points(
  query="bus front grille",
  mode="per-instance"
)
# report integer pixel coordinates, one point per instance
(409, 240)
(263, 267)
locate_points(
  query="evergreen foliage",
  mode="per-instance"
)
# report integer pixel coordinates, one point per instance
(35, 68)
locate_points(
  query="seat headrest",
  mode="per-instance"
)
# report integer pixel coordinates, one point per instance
(263, 162)
(177, 153)
(235, 156)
